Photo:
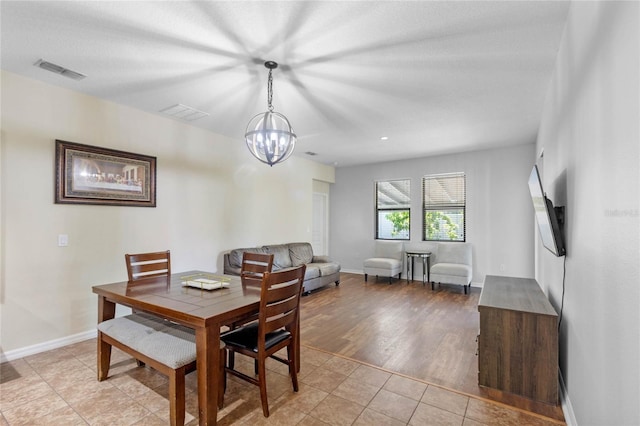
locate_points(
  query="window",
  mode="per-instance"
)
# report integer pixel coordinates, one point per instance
(444, 202)
(393, 202)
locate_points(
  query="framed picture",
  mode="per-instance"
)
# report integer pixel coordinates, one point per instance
(92, 175)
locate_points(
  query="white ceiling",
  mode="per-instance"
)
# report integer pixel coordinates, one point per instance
(434, 77)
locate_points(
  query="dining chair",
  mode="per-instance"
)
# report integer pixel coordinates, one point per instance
(148, 265)
(277, 327)
(254, 265)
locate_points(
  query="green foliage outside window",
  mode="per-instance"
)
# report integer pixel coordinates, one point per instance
(400, 221)
(433, 221)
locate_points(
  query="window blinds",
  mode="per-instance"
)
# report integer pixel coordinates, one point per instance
(444, 204)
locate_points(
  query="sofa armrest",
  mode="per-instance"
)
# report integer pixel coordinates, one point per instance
(321, 259)
(229, 269)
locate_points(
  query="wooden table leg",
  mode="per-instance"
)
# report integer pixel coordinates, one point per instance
(208, 359)
(106, 311)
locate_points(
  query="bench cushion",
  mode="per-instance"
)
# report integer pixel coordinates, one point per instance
(168, 343)
(382, 263)
(451, 273)
(131, 328)
(174, 346)
(382, 266)
(455, 269)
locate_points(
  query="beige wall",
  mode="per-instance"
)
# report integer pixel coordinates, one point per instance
(212, 195)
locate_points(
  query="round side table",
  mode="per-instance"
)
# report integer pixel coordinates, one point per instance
(424, 255)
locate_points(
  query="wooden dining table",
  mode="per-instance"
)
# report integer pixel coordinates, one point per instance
(203, 310)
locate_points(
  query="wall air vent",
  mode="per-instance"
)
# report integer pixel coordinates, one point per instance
(184, 112)
(59, 70)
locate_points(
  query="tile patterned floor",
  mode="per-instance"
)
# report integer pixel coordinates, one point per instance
(59, 387)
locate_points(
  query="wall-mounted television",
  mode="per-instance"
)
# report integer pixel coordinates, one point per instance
(550, 219)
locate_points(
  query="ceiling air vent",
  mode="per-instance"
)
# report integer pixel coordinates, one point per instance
(59, 70)
(184, 112)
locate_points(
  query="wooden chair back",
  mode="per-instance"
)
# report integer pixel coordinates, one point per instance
(280, 302)
(254, 266)
(148, 265)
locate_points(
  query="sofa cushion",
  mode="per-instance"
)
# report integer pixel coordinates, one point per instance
(300, 253)
(327, 268)
(454, 269)
(454, 253)
(382, 263)
(391, 249)
(311, 272)
(281, 258)
(235, 256)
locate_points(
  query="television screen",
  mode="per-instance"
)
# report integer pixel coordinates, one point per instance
(548, 224)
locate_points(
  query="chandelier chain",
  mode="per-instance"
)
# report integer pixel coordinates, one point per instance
(270, 91)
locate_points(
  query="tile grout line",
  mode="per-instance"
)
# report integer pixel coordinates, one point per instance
(54, 390)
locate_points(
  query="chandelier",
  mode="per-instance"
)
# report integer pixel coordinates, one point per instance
(269, 135)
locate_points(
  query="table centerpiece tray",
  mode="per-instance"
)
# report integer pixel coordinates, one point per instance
(205, 281)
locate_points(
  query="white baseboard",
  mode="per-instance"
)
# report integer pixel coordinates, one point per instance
(361, 272)
(47, 346)
(352, 271)
(567, 408)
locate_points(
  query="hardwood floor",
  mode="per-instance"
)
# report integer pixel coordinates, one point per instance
(405, 328)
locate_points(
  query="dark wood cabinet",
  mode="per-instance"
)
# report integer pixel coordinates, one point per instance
(518, 340)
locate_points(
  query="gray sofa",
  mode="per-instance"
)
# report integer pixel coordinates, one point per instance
(320, 269)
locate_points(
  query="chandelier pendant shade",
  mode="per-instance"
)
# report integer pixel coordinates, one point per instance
(269, 135)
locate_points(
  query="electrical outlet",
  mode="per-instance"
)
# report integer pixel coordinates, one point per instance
(63, 240)
(503, 267)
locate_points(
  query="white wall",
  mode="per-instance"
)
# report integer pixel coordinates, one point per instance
(589, 133)
(499, 209)
(212, 195)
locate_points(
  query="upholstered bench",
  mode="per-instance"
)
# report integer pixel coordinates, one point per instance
(167, 347)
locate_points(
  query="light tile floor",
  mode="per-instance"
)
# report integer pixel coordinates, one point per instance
(59, 387)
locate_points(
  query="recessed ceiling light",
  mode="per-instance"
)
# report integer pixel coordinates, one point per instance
(384, 138)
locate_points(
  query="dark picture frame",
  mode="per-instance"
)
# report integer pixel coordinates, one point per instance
(92, 175)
